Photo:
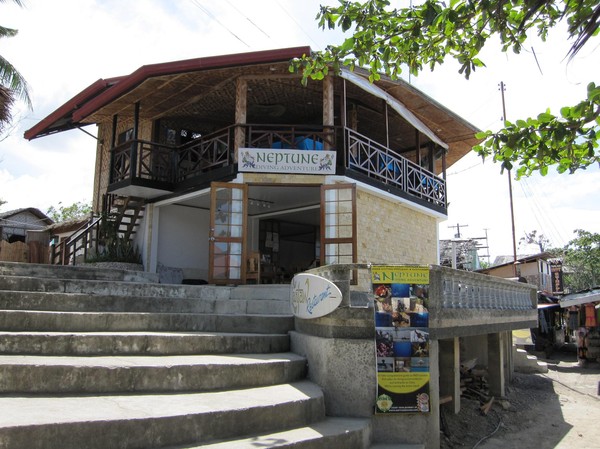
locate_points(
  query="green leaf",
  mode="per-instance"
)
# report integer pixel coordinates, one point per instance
(545, 117)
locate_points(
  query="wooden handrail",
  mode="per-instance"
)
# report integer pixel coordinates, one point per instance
(83, 239)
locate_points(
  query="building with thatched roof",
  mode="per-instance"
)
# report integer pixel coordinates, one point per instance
(14, 224)
(229, 156)
(228, 169)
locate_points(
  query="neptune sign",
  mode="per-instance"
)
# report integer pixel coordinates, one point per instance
(313, 296)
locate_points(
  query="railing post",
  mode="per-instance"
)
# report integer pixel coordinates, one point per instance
(133, 160)
(174, 175)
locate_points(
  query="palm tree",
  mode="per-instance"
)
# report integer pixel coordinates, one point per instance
(12, 83)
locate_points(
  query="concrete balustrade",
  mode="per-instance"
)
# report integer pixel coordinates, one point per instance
(470, 314)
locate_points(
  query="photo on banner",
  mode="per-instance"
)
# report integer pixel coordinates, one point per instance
(401, 303)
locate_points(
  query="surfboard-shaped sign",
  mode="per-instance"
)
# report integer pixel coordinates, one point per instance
(313, 296)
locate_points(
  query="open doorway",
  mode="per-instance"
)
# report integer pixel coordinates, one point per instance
(284, 228)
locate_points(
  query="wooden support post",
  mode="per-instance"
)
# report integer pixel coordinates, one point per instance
(328, 108)
(418, 146)
(241, 115)
(444, 163)
(113, 143)
(387, 125)
(431, 157)
(133, 168)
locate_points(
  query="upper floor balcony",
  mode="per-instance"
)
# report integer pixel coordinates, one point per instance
(149, 169)
(175, 127)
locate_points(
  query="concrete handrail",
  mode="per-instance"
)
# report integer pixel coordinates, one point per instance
(456, 289)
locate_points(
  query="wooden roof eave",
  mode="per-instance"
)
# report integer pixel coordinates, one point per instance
(62, 118)
(395, 103)
(455, 131)
(153, 70)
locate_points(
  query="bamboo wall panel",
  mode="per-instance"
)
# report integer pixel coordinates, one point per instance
(14, 252)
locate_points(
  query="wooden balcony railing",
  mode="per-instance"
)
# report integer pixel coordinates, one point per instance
(204, 153)
(290, 136)
(379, 163)
(169, 165)
(143, 160)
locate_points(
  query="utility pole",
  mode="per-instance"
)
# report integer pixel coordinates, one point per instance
(454, 242)
(487, 245)
(512, 211)
(457, 226)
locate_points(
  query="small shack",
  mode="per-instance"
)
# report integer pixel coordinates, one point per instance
(584, 319)
(16, 230)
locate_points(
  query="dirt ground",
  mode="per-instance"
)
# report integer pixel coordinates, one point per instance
(559, 409)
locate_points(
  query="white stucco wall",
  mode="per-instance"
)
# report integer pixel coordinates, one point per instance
(183, 239)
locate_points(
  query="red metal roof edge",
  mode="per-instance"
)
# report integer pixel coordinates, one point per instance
(167, 68)
(89, 92)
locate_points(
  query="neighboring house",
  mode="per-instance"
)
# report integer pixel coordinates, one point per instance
(16, 223)
(59, 232)
(584, 322)
(22, 235)
(232, 155)
(536, 269)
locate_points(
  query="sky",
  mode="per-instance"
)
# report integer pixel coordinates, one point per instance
(63, 46)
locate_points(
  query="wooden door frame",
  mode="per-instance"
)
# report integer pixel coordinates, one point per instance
(214, 187)
(338, 240)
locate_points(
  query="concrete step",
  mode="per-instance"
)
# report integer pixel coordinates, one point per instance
(74, 272)
(139, 343)
(71, 302)
(397, 446)
(40, 321)
(331, 433)
(125, 362)
(153, 421)
(100, 375)
(143, 289)
(112, 287)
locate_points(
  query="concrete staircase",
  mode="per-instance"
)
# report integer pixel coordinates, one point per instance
(98, 358)
(527, 363)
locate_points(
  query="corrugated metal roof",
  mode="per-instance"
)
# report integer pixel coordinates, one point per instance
(584, 297)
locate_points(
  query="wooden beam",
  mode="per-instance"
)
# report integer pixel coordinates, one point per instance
(194, 99)
(445, 399)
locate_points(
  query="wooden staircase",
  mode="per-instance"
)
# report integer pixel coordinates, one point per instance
(125, 212)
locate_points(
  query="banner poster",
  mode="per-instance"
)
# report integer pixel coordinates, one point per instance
(401, 295)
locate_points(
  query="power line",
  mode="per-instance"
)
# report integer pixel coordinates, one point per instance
(248, 19)
(211, 16)
(298, 24)
(546, 223)
(464, 169)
